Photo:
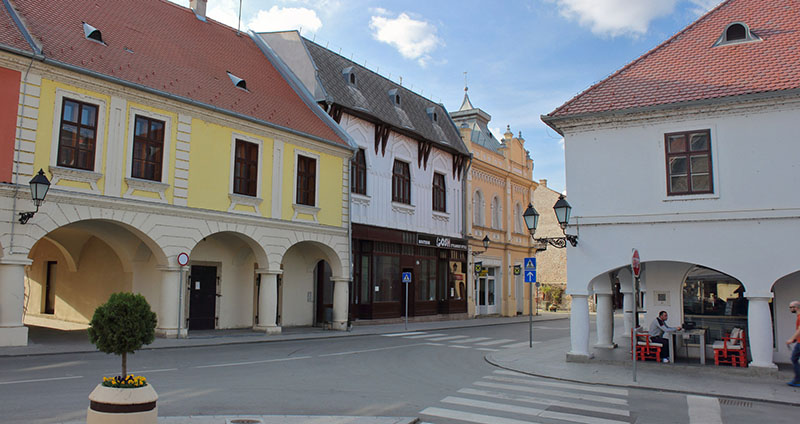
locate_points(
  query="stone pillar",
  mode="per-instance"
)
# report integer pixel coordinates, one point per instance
(759, 331)
(268, 302)
(169, 309)
(12, 300)
(605, 322)
(341, 303)
(579, 328)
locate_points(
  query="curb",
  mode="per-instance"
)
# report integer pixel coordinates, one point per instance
(630, 386)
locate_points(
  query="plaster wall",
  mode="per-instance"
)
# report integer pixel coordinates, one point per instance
(299, 291)
(786, 289)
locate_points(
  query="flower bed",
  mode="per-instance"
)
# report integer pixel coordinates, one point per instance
(129, 382)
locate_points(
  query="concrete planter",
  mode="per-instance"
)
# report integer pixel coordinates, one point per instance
(110, 405)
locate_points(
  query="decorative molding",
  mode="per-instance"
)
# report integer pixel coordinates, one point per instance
(146, 185)
(305, 210)
(240, 199)
(69, 174)
(403, 208)
(441, 216)
(360, 199)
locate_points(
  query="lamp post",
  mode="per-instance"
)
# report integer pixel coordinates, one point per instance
(39, 186)
(562, 210)
(485, 247)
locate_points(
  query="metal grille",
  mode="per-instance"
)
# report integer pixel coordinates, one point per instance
(736, 402)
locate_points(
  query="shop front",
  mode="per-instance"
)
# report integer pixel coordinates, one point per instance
(380, 257)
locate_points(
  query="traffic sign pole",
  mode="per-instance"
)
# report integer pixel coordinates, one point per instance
(635, 269)
(530, 277)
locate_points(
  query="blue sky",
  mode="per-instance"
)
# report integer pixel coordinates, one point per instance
(523, 58)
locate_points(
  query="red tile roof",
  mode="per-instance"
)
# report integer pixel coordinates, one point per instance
(686, 67)
(171, 51)
(10, 34)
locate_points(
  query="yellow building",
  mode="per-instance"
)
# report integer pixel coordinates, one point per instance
(499, 188)
(185, 164)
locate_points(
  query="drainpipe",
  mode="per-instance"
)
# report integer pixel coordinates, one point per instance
(18, 146)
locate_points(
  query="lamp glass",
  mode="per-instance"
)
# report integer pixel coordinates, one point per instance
(531, 218)
(39, 186)
(562, 209)
(486, 242)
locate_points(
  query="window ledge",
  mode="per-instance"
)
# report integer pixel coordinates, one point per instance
(305, 210)
(72, 174)
(360, 199)
(441, 216)
(689, 197)
(138, 184)
(404, 208)
(245, 200)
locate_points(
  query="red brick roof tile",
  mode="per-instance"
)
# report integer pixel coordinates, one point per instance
(687, 67)
(163, 46)
(10, 34)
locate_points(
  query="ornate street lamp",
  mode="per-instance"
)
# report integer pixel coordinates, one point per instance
(485, 246)
(562, 210)
(39, 186)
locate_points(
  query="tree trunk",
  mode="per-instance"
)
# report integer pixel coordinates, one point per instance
(124, 364)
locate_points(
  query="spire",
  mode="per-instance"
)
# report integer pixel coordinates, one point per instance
(466, 104)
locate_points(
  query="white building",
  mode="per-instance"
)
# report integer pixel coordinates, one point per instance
(690, 155)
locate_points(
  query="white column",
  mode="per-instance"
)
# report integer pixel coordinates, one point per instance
(579, 328)
(759, 331)
(12, 298)
(626, 287)
(605, 322)
(268, 302)
(171, 295)
(341, 302)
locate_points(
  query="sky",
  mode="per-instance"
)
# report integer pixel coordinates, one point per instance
(522, 58)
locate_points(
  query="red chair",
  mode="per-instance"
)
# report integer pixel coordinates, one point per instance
(732, 349)
(645, 348)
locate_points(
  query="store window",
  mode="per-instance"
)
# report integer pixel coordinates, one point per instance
(714, 301)
(426, 280)
(386, 279)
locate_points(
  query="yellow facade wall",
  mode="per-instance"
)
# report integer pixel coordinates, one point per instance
(329, 185)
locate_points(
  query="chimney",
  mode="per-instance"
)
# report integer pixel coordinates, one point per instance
(199, 8)
(543, 182)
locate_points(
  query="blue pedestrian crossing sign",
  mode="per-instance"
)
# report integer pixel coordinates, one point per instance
(530, 270)
(406, 277)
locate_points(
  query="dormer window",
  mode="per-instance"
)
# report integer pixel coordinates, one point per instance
(239, 82)
(736, 33)
(92, 33)
(394, 96)
(431, 111)
(349, 75)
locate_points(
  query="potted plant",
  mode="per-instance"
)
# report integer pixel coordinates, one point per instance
(121, 326)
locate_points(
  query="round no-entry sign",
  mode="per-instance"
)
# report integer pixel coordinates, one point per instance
(635, 263)
(183, 259)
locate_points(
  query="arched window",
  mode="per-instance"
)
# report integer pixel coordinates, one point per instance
(735, 33)
(497, 213)
(477, 209)
(714, 301)
(517, 218)
(358, 173)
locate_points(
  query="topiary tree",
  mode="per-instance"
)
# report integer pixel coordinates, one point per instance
(122, 325)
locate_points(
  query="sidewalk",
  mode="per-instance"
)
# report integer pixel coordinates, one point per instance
(616, 369)
(45, 341)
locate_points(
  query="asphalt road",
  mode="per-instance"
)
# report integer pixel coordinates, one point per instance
(440, 376)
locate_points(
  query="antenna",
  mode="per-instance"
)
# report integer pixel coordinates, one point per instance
(465, 81)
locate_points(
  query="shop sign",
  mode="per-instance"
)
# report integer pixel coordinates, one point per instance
(517, 269)
(441, 242)
(478, 267)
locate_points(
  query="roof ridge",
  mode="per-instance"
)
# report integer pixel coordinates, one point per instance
(208, 19)
(639, 59)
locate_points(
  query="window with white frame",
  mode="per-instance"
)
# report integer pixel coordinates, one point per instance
(439, 193)
(245, 171)
(148, 148)
(688, 156)
(77, 135)
(306, 180)
(497, 222)
(477, 209)
(517, 218)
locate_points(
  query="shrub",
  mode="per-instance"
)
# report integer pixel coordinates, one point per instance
(122, 325)
(552, 293)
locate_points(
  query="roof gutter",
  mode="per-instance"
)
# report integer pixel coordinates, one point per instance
(555, 122)
(37, 49)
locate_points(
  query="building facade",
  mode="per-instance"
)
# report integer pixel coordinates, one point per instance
(499, 189)
(696, 169)
(406, 188)
(164, 133)
(551, 263)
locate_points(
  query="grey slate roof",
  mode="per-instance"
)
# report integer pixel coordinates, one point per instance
(371, 96)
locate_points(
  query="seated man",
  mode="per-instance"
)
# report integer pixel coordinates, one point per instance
(657, 330)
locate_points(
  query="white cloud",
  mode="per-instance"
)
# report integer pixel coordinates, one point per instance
(414, 39)
(285, 18)
(616, 17)
(703, 6)
(225, 11)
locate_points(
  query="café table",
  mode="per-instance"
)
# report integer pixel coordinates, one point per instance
(694, 332)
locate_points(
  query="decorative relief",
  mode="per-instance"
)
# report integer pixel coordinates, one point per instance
(239, 199)
(360, 199)
(305, 210)
(403, 208)
(491, 179)
(69, 174)
(135, 184)
(441, 216)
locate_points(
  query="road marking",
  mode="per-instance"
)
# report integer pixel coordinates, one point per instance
(526, 379)
(487, 349)
(544, 401)
(579, 418)
(435, 344)
(233, 364)
(461, 347)
(475, 418)
(353, 352)
(524, 410)
(494, 342)
(425, 336)
(473, 340)
(704, 410)
(592, 398)
(403, 334)
(441, 339)
(520, 344)
(41, 379)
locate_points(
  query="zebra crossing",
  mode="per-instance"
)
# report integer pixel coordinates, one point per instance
(508, 397)
(486, 344)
